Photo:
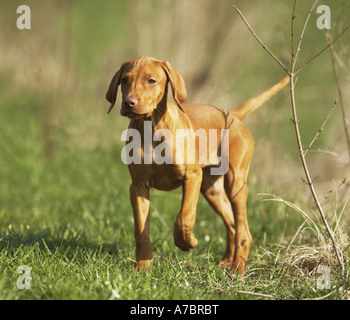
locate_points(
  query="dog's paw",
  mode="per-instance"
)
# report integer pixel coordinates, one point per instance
(186, 242)
(143, 265)
(226, 261)
(238, 267)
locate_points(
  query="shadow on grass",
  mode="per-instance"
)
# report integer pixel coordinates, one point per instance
(65, 242)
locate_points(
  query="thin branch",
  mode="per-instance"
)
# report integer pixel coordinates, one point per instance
(308, 177)
(323, 50)
(321, 129)
(262, 44)
(340, 62)
(301, 36)
(292, 29)
(332, 153)
(296, 121)
(334, 189)
(341, 12)
(342, 104)
(299, 142)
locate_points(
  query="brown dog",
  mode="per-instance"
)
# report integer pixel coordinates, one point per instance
(144, 86)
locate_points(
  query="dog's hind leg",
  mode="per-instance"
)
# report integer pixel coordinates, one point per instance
(213, 190)
(236, 189)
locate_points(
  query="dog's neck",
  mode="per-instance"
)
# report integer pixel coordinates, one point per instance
(166, 115)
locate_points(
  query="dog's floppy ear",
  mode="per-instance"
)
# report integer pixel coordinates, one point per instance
(177, 83)
(111, 94)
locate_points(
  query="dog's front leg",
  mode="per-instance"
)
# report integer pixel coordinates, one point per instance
(183, 228)
(139, 197)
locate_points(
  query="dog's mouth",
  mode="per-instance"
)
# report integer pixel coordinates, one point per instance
(133, 116)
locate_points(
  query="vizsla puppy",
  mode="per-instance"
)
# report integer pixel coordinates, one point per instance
(144, 86)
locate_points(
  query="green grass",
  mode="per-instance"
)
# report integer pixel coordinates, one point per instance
(66, 213)
(70, 221)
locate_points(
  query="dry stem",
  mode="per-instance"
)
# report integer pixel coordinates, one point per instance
(323, 50)
(292, 74)
(341, 99)
(262, 44)
(295, 55)
(321, 129)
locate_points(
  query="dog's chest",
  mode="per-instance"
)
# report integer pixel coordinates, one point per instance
(163, 177)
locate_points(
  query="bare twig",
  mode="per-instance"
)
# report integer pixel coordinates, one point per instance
(300, 146)
(307, 173)
(262, 44)
(323, 50)
(298, 137)
(295, 55)
(341, 99)
(332, 153)
(292, 29)
(334, 189)
(321, 129)
(295, 120)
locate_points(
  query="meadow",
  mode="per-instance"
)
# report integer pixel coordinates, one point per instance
(64, 191)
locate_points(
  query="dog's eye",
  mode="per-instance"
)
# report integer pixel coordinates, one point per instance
(124, 80)
(151, 81)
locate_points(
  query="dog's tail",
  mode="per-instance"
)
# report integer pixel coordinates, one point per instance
(253, 103)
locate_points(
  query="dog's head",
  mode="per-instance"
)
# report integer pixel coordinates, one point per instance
(143, 84)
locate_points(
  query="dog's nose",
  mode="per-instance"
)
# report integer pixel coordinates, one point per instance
(130, 102)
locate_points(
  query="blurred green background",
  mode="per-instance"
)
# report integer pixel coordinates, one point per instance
(61, 175)
(54, 77)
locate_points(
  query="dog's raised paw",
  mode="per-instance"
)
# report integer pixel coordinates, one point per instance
(185, 242)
